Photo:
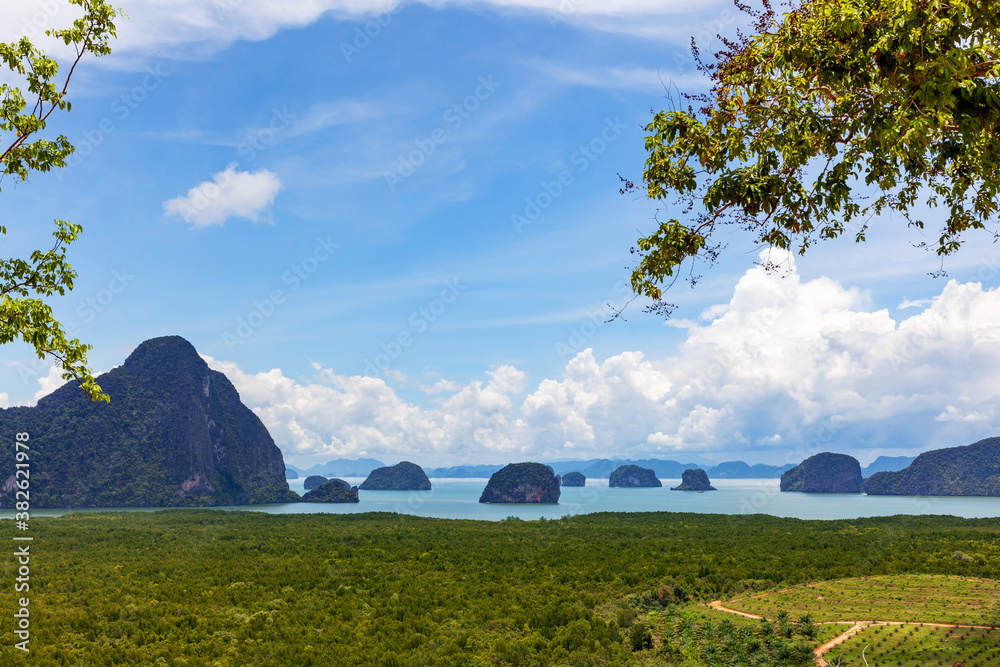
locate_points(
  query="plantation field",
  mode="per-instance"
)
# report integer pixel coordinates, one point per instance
(919, 646)
(239, 589)
(913, 598)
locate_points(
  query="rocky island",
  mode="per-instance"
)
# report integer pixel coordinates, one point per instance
(175, 434)
(574, 479)
(694, 480)
(632, 476)
(332, 491)
(824, 473)
(314, 482)
(971, 470)
(404, 476)
(522, 483)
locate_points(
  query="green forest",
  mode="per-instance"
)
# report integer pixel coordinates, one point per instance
(209, 587)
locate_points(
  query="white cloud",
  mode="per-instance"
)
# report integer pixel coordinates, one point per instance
(631, 78)
(229, 194)
(786, 368)
(331, 114)
(197, 28)
(4, 400)
(914, 303)
(354, 416)
(49, 382)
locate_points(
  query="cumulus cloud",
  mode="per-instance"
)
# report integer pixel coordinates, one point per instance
(786, 368)
(230, 193)
(48, 383)
(4, 400)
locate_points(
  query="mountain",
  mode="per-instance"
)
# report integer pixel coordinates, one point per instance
(404, 476)
(522, 483)
(341, 468)
(971, 470)
(602, 468)
(887, 464)
(314, 482)
(332, 491)
(741, 470)
(694, 480)
(174, 435)
(463, 471)
(574, 479)
(666, 469)
(630, 476)
(824, 473)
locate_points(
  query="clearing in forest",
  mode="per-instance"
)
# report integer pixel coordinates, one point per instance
(917, 598)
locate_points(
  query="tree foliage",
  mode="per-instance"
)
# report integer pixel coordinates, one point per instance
(240, 589)
(24, 114)
(840, 111)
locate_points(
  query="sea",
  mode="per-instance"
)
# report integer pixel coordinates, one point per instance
(458, 498)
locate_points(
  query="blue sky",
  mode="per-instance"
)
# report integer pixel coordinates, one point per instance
(398, 233)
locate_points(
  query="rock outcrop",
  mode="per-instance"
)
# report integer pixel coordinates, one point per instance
(824, 473)
(632, 476)
(522, 483)
(314, 482)
(574, 479)
(404, 476)
(333, 491)
(694, 480)
(970, 470)
(174, 435)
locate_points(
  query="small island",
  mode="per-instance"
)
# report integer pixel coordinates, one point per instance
(632, 476)
(404, 476)
(824, 473)
(522, 483)
(333, 491)
(291, 474)
(694, 480)
(574, 479)
(314, 482)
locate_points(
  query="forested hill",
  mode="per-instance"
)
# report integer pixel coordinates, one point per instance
(174, 434)
(972, 470)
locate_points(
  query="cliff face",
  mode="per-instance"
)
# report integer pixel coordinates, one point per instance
(824, 473)
(630, 476)
(522, 483)
(972, 470)
(333, 491)
(694, 480)
(404, 476)
(574, 479)
(174, 434)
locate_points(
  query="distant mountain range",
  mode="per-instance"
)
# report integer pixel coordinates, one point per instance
(887, 464)
(592, 468)
(596, 468)
(602, 469)
(339, 468)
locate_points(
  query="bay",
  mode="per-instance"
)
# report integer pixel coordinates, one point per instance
(453, 498)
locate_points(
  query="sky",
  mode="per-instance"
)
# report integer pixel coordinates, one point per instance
(397, 229)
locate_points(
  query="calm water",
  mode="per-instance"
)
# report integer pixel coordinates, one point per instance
(459, 499)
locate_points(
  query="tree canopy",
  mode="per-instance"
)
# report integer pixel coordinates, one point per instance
(24, 114)
(836, 112)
